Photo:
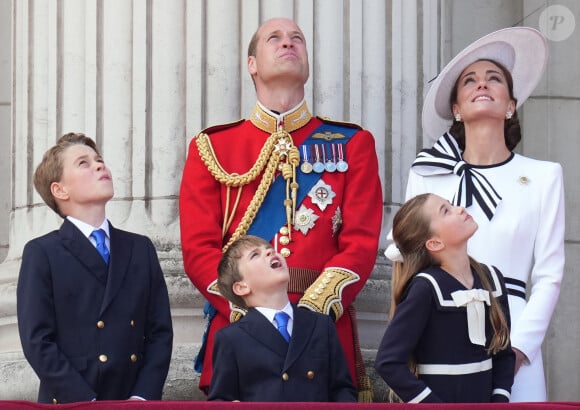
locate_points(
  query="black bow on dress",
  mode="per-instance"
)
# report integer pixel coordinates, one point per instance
(445, 158)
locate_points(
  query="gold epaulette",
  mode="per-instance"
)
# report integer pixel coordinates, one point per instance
(343, 123)
(221, 127)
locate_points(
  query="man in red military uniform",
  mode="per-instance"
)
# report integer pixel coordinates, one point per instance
(308, 185)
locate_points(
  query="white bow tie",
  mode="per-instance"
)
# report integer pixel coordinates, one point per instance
(474, 300)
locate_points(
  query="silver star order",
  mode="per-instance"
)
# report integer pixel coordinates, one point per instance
(321, 194)
(304, 219)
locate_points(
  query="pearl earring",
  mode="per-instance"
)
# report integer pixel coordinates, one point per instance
(508, 115)
(457, 117)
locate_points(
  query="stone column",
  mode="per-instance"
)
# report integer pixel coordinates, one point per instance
(114, 70)
(141, 78)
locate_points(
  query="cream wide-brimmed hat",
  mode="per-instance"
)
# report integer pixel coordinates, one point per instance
(522, 50)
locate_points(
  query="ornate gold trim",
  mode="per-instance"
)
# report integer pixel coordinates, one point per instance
(292, 120)
(325, 294)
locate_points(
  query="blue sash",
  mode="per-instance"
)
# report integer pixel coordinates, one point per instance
(272, 214)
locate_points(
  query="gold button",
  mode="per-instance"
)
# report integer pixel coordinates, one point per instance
(54, 401)
(132, 324)
(330, 274)
(310, 374)
(313, 296)
(100, 324)
(133, 358)
(284, 230)
(284, 240)
(103, 358)
(285, 252)
(319, 291)
(326, 281)
(285, 377)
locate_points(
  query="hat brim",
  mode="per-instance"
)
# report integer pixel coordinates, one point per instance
(522, 50)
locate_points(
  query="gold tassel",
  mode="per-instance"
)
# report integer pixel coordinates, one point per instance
(365, 390)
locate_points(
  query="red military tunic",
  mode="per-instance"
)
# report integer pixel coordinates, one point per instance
(338, 243)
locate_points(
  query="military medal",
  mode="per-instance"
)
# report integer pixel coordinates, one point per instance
(341, 165)
(329, 163)
(306, 166)
(304, 220)
(318, 166)
(321, 194)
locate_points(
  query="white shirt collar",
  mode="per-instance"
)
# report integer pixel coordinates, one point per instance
(269, 314)
(282, 114)
(87, 229)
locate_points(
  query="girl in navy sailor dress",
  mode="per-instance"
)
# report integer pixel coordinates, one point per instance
(448, 340)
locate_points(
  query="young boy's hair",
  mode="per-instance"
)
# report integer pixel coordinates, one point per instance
(228, 268)
(50, 168)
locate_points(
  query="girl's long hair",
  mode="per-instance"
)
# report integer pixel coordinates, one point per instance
(411, 229)
(499, 323)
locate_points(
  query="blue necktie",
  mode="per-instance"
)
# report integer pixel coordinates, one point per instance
(99, 237)
(282, 321)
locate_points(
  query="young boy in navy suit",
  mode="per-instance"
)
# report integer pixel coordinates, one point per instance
(92, 303)
(276, 352)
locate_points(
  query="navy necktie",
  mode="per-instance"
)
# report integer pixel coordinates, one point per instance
(99, 237)
(282, 322)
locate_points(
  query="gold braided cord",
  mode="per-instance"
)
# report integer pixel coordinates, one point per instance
(256, 202)
(294, 160)
(229, 217)
(278, 147)
(225, 223)
(208, 156)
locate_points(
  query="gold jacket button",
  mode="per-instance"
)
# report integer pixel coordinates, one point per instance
(54, 401)
(103, 358)
(132, 323)
(100, 324)
(285, 377)
(285, 252)
(284, 230)
(310, 374)
(284, 240)
(133, 358)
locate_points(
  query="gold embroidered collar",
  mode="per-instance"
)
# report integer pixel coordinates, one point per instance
(268, 121)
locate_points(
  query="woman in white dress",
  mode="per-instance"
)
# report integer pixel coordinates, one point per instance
(518, 202)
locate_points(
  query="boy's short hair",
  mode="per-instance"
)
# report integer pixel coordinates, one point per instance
(228, 268)
(50, 168)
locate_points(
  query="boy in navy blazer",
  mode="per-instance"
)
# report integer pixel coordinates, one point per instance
(93, 309)
(302, 360)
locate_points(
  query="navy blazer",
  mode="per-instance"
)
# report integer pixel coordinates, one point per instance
(253, 362)
(90, 331)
